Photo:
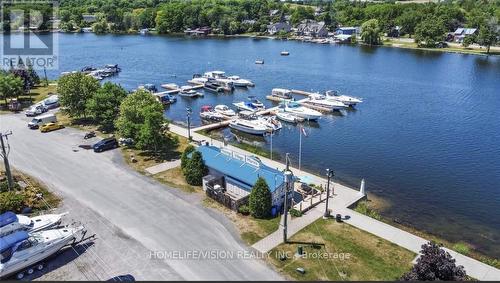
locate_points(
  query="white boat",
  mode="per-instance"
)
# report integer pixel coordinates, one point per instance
(284, 53)
(187, 91)
(224, 110)
(318, 99)
(271, 123)
(288, 117)
(252, 104)
(281, 93)
(301, 111)
(254, 127)
(347, 100)
(259, 62)
(237, 81)
(10, 222)
(21, 251)
(208, 113)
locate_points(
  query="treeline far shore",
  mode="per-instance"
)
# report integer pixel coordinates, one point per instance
(428, 23)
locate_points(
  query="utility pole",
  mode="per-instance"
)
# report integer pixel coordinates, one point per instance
(329, 174)
(189, 111)
(4, 154)
(288, 182)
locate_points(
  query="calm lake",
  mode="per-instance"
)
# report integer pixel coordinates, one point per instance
(426, 138)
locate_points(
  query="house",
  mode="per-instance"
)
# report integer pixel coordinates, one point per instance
(277, 27)
(232, 176)
(89, 18)
(348, 30)
(312, 28)
(461, 33)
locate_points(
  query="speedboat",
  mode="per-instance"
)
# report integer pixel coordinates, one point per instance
(281, 93)
(284, 53)
(259, 62)
(208, 113)
(252, 104)
(187, 91)
(10, 222)
(224, 110)
(347, 100)
(320, 100)
(237, 81)
(301, 111)
(271, 122)
(21, 251)
(165, 98)
(254, 127)
(288, 117)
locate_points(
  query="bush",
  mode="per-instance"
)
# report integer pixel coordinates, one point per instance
(184, 156)
(462, 248)
(11, 201)
(260, 200)
(195, 169)
(4, 186)
(295, 213)
(244, 209)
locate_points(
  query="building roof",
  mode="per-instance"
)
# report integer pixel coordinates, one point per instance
(11, 240)
(7, 218)
(465, 31)
(246, 169)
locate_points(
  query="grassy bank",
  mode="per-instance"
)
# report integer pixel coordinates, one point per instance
(461, 50)
(347, 254)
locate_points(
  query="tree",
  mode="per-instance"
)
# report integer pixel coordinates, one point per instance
(100, 27)
(184, 156)
(371, 32)
(10, 86)
(74, 92)
(435, 264)
(141, 118)
(104, 105)
(260, 200)
(195, 169)
(408, 21)
(468, 40)
(488, 34)
(429, 32)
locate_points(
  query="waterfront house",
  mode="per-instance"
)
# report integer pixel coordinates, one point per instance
(461, 33)
(312, 28)
(277, 27)
(348, 30)
(232, 176)
(89, 18)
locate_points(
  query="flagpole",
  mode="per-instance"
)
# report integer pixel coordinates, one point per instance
(272, 145)
(300, 145)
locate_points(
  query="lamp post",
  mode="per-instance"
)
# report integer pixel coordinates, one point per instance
(330, 175)
(189, 111)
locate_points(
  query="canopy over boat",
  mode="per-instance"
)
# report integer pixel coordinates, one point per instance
(11, 240)
(7, 218)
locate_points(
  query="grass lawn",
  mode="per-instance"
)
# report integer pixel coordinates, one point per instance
(38, 93)
(348, 254)
(464, 50)
(175, 178)
(251, 230)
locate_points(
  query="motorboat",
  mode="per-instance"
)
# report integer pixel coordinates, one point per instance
(300, 111)
(21, 251)
(284, 53)
(320, 100)
(213, 86)
(148, 87)
(282, 93)
(259, 62)
(51, 102)
(225, 110)
(347, 100)
(215, 75)
(288, 117)
(11, 222)
(198, 79)
(207, 113)
(165, 98)
(271, 122)
(252, 104)
(187, 91)
(237, 81)
(254, 127)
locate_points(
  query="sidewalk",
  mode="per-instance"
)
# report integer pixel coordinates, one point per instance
(343, 197)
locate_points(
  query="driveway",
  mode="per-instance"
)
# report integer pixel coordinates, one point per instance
(174, 229)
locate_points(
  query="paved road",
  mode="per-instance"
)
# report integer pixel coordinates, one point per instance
(160, 218)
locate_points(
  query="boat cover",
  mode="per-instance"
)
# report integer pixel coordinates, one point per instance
(7, 218)
(12, 240)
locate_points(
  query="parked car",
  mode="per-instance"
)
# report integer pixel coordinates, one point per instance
(41, 120)
(51, 127)
(36, 110)
(105, 144)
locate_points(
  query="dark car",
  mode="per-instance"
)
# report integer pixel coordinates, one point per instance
(105, 144)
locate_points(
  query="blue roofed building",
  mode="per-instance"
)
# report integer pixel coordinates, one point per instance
(232, 176)
(348, 30)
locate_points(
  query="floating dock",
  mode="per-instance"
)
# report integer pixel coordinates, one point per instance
(213, 126)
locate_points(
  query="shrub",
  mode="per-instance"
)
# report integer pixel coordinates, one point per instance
(184, 156)
(11, 201)
(244, 209)
(462, 248)
(295, 213)
(4, 186)
(260, 200)
(195, 169)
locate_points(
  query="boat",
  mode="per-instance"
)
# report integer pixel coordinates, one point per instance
(300, 111)
(317, 99)
(21, 251)
(11, 222)
(187, 91)
(271, 123)
(198, 79)
(288, 117)
(224, 110)
(213, 86)
(252, 104)
(207, 112)
(347, 100)
(148, 87)
(282, 93)
(165, 98)
(284, 53)
(260, 62)
(237, 81)
(249, 126)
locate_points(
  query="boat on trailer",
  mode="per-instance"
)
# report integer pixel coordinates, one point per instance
(11, 222)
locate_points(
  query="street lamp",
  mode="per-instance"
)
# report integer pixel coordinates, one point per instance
(330, 174)
(189, 111)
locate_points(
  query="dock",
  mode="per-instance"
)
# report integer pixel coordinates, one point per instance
(213, 126)
(301, 92)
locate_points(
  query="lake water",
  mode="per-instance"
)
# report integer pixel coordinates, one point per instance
(426, 139)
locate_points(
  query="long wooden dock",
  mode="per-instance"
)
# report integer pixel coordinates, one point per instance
(213, 126)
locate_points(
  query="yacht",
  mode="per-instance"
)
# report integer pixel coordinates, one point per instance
(320, 100)
(254, 127)
(198, 79)
(288, 117)
(252, 104)
(208, 113)
(213, 86)
(10, 222)
(188, 91)
(281, 93)
(237, 81)
(21, 251)
(224, 110)
(301, 111)
(347, 100)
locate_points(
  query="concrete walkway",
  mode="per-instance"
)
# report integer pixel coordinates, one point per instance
(342, 198)
(163, 167)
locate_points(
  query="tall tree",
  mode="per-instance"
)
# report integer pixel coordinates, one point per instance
(195, 169)
(489, 34)
(10, 86)
(104, 105)
(370, 33)
(260, 199)
(429, 32)
(74, 92)
(408, 21)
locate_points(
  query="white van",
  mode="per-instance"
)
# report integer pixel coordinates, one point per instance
(42, 120)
